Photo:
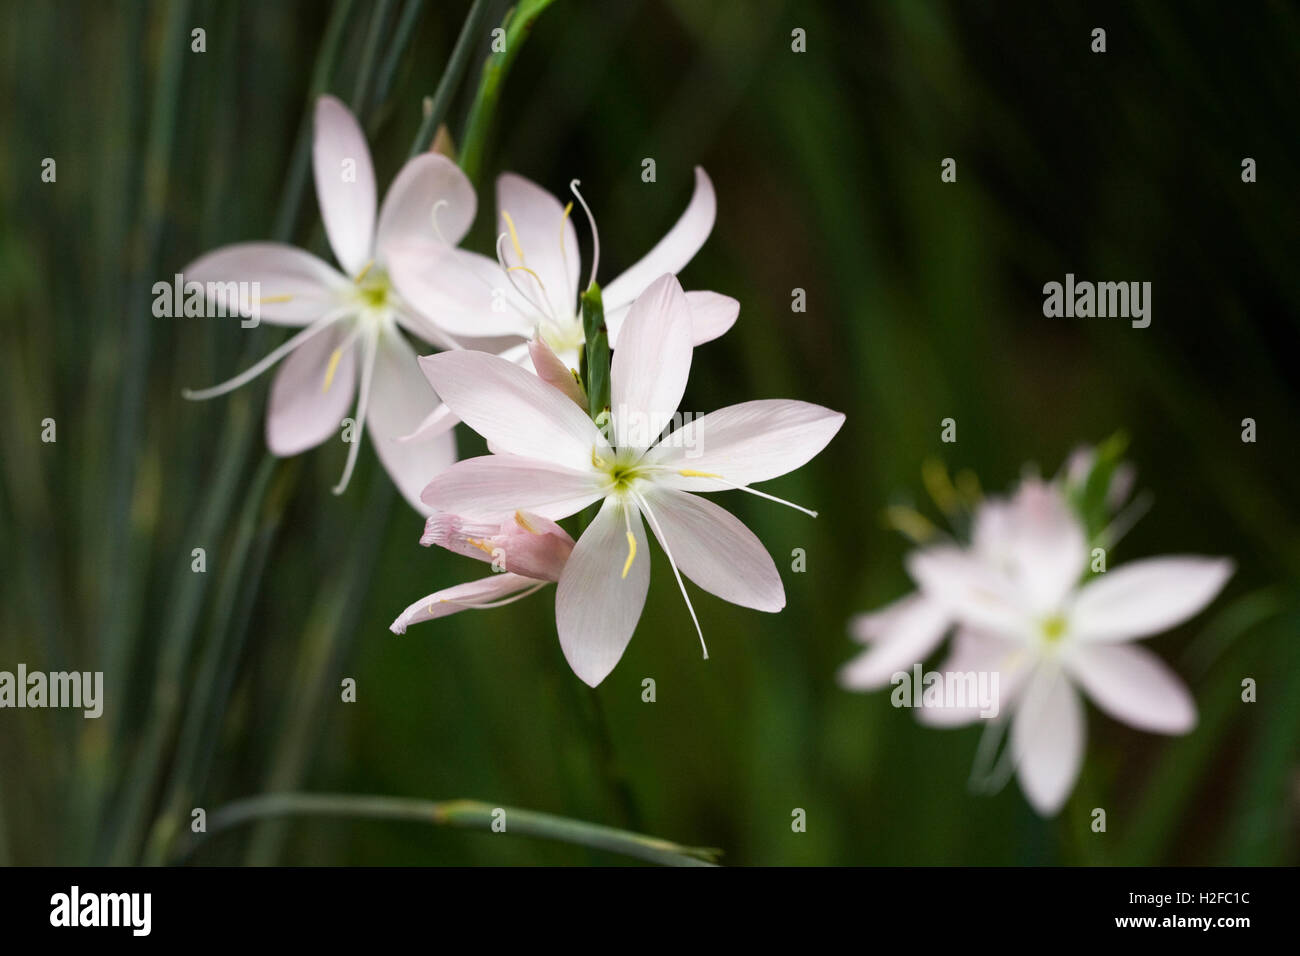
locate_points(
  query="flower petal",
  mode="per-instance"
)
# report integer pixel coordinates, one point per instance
(1146, 597)
(651, 364)
(983, 655)
(596, 606)
(496, 486)
(293, 287)
(972, 592)
(1133, 685)
(302, 410)
(400, 398)
(711, 315)
(900, 634)
(461, 292)
(551, 370)
(549, 243)
(1037, 541)
(714, 549)
(514, 409)
(345, 184)
(430, 198)
(496, 587)
(673, 251)
(1047, 735)
(745, 444)
(526, 543)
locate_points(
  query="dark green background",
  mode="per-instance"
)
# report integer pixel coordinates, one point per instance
(924, 302)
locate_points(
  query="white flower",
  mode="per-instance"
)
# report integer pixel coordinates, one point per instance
(551, 459)
(353, 311)
(531, 288)
(1020, 610)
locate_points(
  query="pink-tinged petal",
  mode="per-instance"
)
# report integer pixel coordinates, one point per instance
(514, 409)
(526, 544)
(438, 421)
(673, 251)
(1037, 541)
(714, 549)
(489, 590)
(983, 656)
(555, 373)
(1047, 737)
(900, 635)
(651, 364)
(711, 315)
(302, 411)
(494, 487)
(429, 199)
(1133, 685)
(744, 444)
(597, 605)
(345, 184)
(400, 397)
(970, 590)
(462, 293)
(1146, 597)
(534, 218)
(293, 287)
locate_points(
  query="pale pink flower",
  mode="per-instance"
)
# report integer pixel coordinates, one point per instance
(351, 343)
(531, 289)
(526, 550)
(551, 459)
(1021, 608)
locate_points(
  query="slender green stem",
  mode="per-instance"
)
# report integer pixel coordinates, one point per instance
(369, 54)
(517, 23)
(463, 814)
(436, 109)
(401, 40)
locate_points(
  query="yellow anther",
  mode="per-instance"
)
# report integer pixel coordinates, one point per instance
(514, 236)
(690, 473)
(523, 523)
(331, 369)
(910, 522)
(631, 553)
(529, 271)
(364, 269)
(271, 299)
(596, 460)
(481, 545)
(563, 219)
(935, 477)
(968, 484)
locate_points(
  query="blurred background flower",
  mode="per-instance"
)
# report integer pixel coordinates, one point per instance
(923, 302)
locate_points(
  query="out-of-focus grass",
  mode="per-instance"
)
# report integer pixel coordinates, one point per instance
(924, 302)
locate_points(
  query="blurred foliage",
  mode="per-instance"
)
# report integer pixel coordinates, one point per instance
(924, 302)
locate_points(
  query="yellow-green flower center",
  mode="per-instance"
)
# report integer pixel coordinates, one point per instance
(1053, 628)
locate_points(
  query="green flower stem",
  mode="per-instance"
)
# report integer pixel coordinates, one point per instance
(369, 54)
(462, 814)
(456, 66)
(518, 23)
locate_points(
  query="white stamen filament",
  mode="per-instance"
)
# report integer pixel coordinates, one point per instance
(734, 487)
(663, 542)
(485, 605)
(595, 236)
(202, 394)
(433, 214)
(510, 274)
(363, 402)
